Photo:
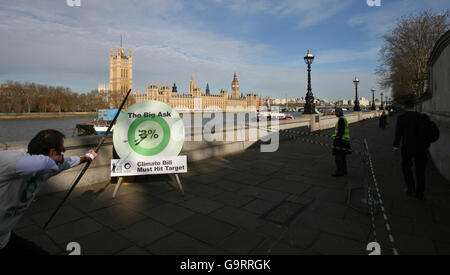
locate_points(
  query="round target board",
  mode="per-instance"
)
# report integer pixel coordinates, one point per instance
(148, 129)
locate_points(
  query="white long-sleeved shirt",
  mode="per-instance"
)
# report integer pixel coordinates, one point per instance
(21, 178)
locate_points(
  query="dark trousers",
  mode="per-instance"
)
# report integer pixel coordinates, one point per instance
(341, 163)
(18, 246)
(420, 163)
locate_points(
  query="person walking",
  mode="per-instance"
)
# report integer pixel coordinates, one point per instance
(415, 135)
(22, 176)
(341, 144)
(383, 120)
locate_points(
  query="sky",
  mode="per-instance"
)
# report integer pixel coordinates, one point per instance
(263, 41)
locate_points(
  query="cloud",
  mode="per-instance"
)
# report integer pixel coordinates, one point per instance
(343, 56)
(307, 12)
(310, 12)
(70, 46)
(379, 20)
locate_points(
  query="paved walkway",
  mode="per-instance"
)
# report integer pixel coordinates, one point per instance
(253, 203)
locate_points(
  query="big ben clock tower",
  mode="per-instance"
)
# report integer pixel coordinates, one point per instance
(235, 88)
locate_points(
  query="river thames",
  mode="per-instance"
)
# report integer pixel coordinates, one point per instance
(26, 129)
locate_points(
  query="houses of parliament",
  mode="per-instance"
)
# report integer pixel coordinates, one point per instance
(121, 80)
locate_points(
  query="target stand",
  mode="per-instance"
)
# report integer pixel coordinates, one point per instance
(148, 138)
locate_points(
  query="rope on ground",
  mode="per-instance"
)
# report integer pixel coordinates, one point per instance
(370, 200)
(307, 133)
(378, 193)
(296, 137)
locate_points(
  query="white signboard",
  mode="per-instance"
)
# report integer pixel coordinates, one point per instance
(148, 166)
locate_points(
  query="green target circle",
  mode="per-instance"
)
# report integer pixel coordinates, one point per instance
(148, 144)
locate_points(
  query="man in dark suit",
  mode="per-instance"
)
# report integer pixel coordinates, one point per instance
(412, 149)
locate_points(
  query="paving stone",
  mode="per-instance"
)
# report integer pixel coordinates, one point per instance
(73, 230)
(152, 187)
(314, 192)
(399, 224)
(283, 185)
(434, 231)
(347, 229)
(205, 179)
(284, 213)
(241, 242)
(300, 236)
(441, 215)
(238, 217)
(262, 193)
(134, 250)
(139, 202)
(228, 185)
(201, 205)
(65, 214)
(300, 199)
(116, 217)
(168, 214)
(273, 230)
(203, 190)
(180, 244)
(331, 195)
(329, 209)
(336, 245)
(45, 203)
(206, 229)
(232, 199)
(103, 242)
(91, 204)
(408, 245)
(275, 247)
(36, 235)
(443, 248)
(259, 206)
(414, 209)
(174, 196)
(25, 221)
(145, 232)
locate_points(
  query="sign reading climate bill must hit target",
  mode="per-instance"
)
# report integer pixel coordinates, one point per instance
(149, 166)
(148, 138)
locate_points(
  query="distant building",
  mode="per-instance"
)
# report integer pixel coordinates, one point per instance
(197, 100)
(364, 102)
(120, 75)
(103, 92)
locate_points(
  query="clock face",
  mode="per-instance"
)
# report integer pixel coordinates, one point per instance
(148, 129)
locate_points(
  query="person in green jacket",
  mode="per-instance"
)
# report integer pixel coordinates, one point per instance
(341, 144)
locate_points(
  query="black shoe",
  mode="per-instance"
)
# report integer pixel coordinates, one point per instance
(338, 175)
(419, 197)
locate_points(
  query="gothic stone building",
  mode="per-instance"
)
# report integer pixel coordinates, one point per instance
(120, 76)
(197, 100)
(121, 80)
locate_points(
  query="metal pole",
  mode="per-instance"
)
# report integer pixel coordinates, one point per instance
(102, 140)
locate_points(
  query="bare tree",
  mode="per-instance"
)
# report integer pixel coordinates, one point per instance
(30, 97)
(406, 50)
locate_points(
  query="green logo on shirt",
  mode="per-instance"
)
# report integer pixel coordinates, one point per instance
(29, 190)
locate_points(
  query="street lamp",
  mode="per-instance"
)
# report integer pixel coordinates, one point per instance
(309, 100)
(357, 108)
(381, 106)
(373, 99)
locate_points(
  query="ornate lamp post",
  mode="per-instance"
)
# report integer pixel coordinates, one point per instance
(357, 108)
(373, 100)
(381, 106)
(309, 100)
